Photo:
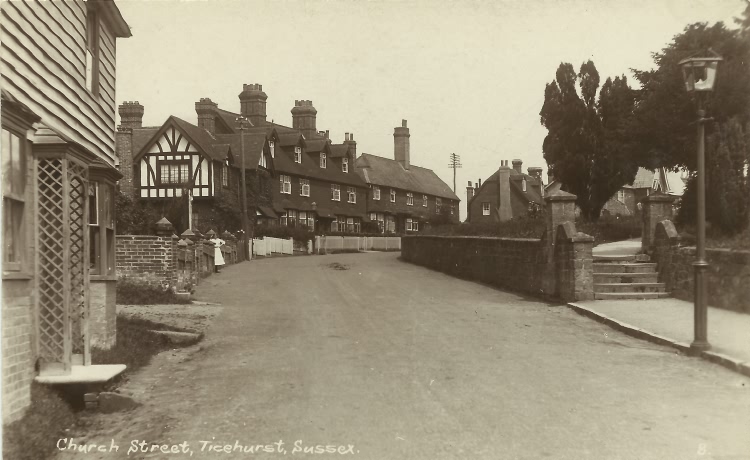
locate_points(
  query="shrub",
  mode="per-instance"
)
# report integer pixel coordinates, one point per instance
(519, 227)
(131, 292)
(611, 228)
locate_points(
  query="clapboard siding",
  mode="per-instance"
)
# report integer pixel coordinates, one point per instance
(43, 66)
(45, 73)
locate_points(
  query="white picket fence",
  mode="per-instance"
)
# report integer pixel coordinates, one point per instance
(328, 244)
(267, 246)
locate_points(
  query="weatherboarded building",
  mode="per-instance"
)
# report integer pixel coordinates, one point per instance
(403, 197)
(58, 159)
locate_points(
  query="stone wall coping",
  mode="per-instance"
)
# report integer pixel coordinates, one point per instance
(581, 237)
(559, 195)
(103, 277)
(658, 198)
(462, 237)
(666, 226)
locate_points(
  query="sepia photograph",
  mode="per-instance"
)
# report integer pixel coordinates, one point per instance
(375, 229)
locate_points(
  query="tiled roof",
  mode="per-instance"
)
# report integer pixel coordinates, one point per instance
(229, 118)
(254, 145)
(202, 138)
(339, 150)
(389, 173)
(531, 193)
(141, 136)
(310, 167)
(643, 179)
(317, 145)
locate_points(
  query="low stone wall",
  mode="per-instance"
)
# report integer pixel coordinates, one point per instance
(516, 264)
(728, 274)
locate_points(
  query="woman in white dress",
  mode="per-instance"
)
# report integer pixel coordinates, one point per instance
(218, 256)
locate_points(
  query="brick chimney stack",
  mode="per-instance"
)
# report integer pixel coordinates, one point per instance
(206, 110)
(517, 166)
(503, 191)
(304, 118)
(349, 140)
(536, 173)
(401, 144)
(469, 192)
(253, 104)
(131, 115)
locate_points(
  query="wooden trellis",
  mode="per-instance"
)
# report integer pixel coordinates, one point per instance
(62, 263)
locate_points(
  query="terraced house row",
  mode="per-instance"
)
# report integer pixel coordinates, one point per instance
(296, 176)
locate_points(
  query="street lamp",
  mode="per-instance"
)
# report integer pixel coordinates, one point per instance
(699, 74)
(242, 120)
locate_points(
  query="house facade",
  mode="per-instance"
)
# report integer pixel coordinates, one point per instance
(404, 198)
(296, 176)
(58, 129)
(506, 194)
(181, 160)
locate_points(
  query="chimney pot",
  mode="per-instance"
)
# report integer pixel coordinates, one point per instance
(403, 123)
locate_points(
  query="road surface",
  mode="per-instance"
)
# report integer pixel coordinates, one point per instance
(381, 359)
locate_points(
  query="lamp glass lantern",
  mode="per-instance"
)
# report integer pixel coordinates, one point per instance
(699, 74)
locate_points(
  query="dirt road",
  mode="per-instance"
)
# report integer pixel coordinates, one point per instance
(379, 359)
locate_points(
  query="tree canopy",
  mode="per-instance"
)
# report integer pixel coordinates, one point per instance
(586, 147)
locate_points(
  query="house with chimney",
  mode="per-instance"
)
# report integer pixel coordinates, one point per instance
(296, 176)
(403, 197)
(626, 201)
(506, 194)
(58, 160)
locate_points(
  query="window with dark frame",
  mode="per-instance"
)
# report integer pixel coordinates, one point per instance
(174, 172)
(14, 199)
(225, 174)
(92, 47)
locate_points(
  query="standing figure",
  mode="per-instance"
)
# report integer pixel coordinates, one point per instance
(218, 256)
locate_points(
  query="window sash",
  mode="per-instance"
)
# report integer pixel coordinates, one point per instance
(424, 200)
(345, 165)
(174, 172)
(393, 196)
(304, 187)
(323, 161)
(410, 199)
(486, 209)
(376, 193)
(286, 184)
(335, 192)
(352, 194)
(14, 172)
(225, 175)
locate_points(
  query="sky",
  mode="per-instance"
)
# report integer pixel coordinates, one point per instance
(469, 76)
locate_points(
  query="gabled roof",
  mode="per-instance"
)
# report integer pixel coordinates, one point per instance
(389, 173)
(228, 118)
(318, 145)
(339, 151)
(255, 145)
(291, 139)
(644, 178)
(516, 186)
(197, 136)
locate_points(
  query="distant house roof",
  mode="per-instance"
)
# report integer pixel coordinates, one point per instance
(202, 138)
(516, 185)
(141, 136)
(645, 178)
(389, 173)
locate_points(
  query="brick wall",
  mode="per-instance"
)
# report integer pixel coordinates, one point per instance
(103, 314)
(400, 207)
(18, 353)
(728, 274)
(145, 258)
(124, 151)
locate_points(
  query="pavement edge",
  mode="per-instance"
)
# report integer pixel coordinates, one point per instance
(639, 333)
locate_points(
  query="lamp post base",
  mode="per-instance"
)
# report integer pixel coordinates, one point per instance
(700, 313)
(700, 345)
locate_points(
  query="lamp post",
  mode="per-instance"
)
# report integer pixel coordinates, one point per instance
(699, 74)
(242, 120)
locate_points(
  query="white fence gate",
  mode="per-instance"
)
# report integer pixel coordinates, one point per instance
(329, 244)
(267, 246)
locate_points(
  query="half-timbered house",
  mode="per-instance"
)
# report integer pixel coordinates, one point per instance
(182, 160)
(58, 128)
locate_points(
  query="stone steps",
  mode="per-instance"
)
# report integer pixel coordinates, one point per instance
(650, 277)
(629, 295)
(635, 267)
(629, 287)
(626, 277)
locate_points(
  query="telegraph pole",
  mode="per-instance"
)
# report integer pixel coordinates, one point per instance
(242, 120)
(455, 163)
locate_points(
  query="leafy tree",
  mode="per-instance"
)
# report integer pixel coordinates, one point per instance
(663, 126)
(586, 147)
(727, 204)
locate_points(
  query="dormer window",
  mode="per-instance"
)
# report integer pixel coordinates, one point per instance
(225, 174)
(345, 165)
(298, 154)
(322, 160)
(393, 196)
(271, 147)
(92, 48)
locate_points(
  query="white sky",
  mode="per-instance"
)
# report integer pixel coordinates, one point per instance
(469, 76)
